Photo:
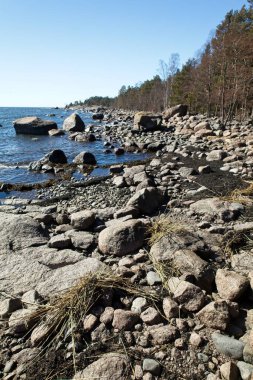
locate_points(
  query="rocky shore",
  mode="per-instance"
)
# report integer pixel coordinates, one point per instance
(143, 274)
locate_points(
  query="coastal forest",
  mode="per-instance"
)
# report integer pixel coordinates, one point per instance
(217, 82)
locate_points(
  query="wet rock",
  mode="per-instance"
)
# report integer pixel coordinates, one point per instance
(122, 238)
(73, 123)
(85, 158)
(56, 132)
(33, 126)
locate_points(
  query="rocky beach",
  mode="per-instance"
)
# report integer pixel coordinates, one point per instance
(143, 272)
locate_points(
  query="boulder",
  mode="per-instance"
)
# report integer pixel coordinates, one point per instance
(179, 110)
(57, 156)
(82, 220)
(147, 200)
(18, 232)
(33, 126)
(98, 116)
(85, 158)
(122, 238)
(56, 132)
(175, 250)
(110, 366)
(146, 121)
(73, 123)
(217, 208)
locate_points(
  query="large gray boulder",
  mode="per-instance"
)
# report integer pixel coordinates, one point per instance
(44, 269)
(122, 238)
(146, 121)
(217, 208)
(179, 110)
(110, 366)
(19, 232)
(33, 126)
(73, 123)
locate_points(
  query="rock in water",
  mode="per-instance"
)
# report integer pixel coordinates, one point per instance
(33, 126)
(85, 158)
(73, 123)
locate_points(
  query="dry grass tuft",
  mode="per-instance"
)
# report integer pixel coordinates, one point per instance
(65, 313)
(165, 225)
(165, 269)
(234, 242)
(243, 196)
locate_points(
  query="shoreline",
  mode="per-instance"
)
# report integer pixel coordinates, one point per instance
(178, 218)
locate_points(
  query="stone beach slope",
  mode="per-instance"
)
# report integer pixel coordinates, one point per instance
(146, 274)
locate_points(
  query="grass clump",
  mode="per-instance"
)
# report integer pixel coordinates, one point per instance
(233, 242)
(243, 196)
(165, 225)
(64, 314)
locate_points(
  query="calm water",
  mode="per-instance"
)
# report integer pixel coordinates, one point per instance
(17, 151)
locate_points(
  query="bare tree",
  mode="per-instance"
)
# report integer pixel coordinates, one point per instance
(167, 71)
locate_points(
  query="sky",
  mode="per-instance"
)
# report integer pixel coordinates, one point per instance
(53, 52)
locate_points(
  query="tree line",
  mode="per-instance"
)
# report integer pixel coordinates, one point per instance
(218, 82)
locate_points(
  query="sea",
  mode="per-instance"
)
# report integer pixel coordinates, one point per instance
(17, 151)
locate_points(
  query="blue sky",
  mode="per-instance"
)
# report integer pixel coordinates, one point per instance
(56, 51)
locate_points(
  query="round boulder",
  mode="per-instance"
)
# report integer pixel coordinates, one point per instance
(85, 158)
(123, 238)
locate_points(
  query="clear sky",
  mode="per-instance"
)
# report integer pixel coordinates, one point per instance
(53, 52)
